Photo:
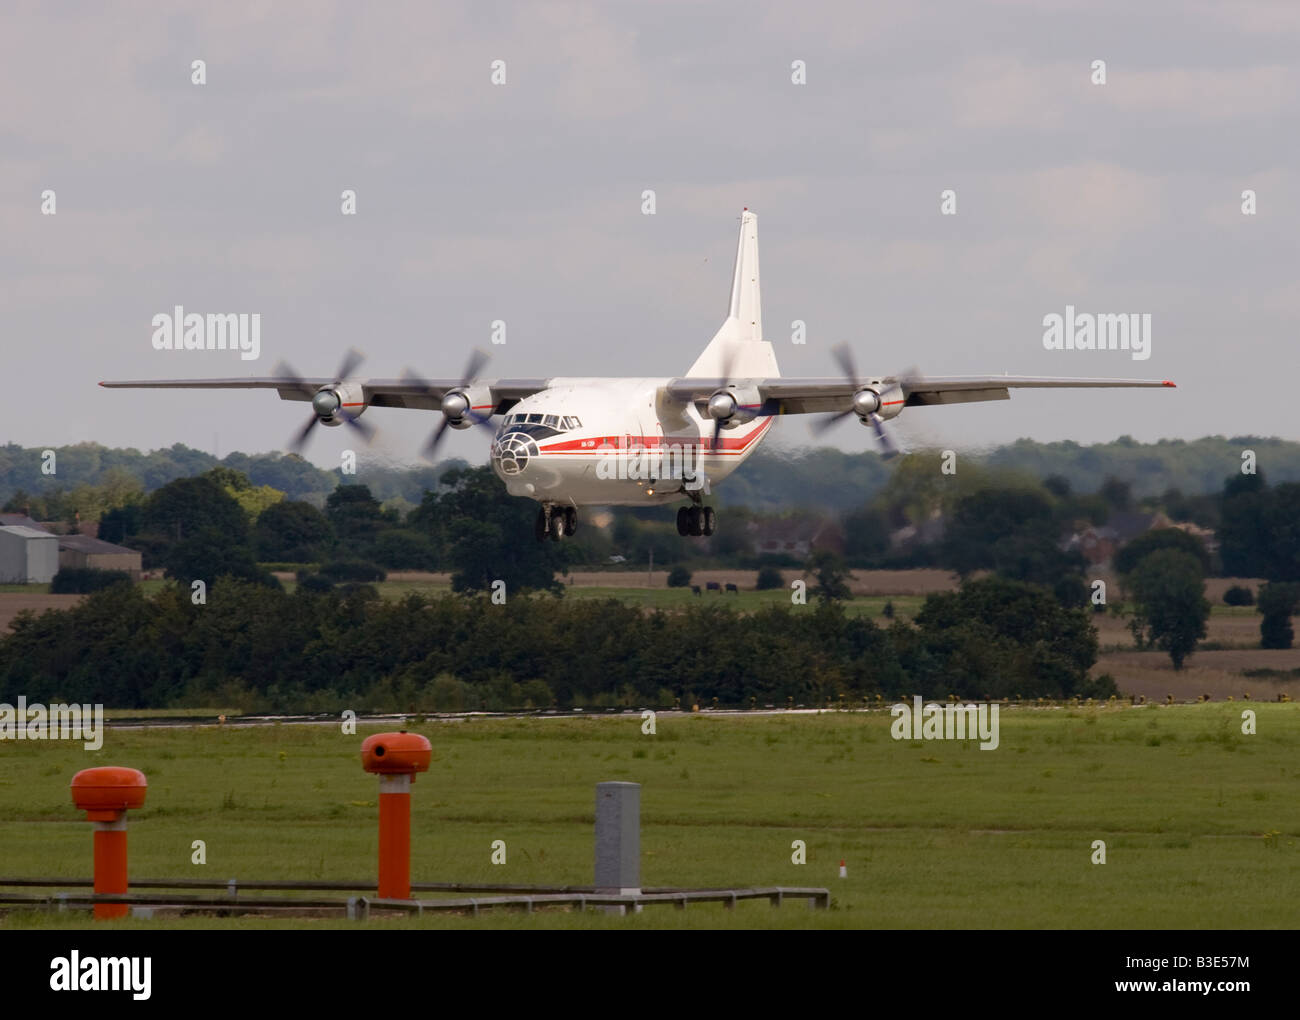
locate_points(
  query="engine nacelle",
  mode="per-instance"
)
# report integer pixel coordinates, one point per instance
(331, 403)
(886, 402)
(734, 405)
(458, 404)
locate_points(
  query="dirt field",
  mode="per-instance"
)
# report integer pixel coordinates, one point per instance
(1218, 674)
(861, 582)
(13, 603)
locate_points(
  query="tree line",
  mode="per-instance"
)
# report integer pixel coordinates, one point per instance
(259, 647)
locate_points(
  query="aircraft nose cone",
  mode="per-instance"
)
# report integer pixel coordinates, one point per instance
(511, 454)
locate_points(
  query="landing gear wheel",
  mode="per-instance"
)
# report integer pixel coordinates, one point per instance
(710, 520)
(570, 521)
(683, 520)
(697, 520)
(557, 526)
(539, 525)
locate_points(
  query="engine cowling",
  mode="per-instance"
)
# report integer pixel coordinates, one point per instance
(886, 402)
(734, 405)
(331, 403)
(458, 403)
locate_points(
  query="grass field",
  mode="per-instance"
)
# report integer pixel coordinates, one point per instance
(1200, 821)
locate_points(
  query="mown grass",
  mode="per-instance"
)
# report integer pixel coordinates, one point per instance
(1200, 821)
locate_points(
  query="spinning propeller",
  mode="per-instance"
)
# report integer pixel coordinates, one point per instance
(456, 404)
(326, 404)
(866, 401)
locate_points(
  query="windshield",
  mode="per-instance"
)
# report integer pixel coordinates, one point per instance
(540, 425)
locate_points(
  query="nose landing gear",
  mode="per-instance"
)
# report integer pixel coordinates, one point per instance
(555, 522)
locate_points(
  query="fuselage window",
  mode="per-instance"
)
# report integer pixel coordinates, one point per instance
(534, 419)
(551, 421)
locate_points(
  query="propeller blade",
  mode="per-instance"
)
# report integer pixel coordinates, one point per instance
(431, 445)
(844, 358)
(364, 427)
(892, 449)
(300, 440)
(828, 422)
(477, 360)
(717, 431)
(284, 368)
(351, 360)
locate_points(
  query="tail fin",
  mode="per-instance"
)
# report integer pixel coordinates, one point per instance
(738, 348)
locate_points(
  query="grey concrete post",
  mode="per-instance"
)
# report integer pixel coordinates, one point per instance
(618, 838)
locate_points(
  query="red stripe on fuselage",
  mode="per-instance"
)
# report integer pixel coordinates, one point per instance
(612, 444)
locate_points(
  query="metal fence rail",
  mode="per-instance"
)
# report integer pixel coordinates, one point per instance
(359, 907)
(232, 886)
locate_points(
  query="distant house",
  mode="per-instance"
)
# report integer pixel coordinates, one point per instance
(84, 551)
(1098, 545)
(27, 555)
(797, 536)
(21, 521)
(1206, 535)
(911, 536)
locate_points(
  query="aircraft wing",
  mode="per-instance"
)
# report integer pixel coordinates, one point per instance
(425, 394)
(835, 393)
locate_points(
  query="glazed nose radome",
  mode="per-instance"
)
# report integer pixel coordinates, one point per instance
(511, 454)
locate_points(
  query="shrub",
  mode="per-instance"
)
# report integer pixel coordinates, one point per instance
(352, 570)
(83, 580)
(315, 582)
(1238, 596)
(769, 578)
(679, 577)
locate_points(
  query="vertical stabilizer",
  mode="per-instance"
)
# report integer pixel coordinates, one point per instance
(738, 348)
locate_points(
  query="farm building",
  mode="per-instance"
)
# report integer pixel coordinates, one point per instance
(27, 555)
(84, 551)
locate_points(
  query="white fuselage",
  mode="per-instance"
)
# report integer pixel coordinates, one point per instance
(615, 442)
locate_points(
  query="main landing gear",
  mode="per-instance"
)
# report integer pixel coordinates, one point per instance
(696, 520)
(555, 522)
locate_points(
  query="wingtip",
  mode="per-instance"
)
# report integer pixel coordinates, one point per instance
(1170, 383)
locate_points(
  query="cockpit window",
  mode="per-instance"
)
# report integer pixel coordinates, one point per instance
(536, 431)
(539, 426)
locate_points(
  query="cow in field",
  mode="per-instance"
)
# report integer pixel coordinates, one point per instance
(732, 587)
(715, 586)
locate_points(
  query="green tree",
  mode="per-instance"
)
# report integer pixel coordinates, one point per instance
(994, 637)
(866, 536)
(357, 518)
(1277, 602)
(292, 531)
(1243, 531)
(1132, 553)
(1171, 610)
(490, 535)
(252, 499)
(208, 555)
(831, 578)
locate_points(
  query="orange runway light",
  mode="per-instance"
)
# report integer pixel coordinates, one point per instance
(106, 794)
(395, 758)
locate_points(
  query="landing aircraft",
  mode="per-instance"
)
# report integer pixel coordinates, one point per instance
(568, 442)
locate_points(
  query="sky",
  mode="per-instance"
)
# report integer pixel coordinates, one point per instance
(523, 202)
